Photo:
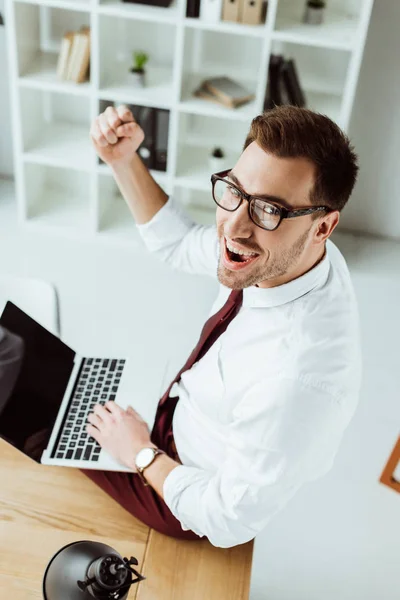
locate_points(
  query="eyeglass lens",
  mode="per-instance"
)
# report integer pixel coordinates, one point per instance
(264, 214)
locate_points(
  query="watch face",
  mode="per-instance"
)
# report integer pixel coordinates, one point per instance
(144, 457)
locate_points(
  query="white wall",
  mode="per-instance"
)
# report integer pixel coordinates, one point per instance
(375, 128)
(6, 150)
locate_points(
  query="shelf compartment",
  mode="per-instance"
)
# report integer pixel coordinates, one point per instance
(146, 12)
(322, 75)
(38, 45)
(55, 200)
(55, 130)
(211, 54)
(152, 38)
(339, 29)
(198, 204)
(197, 137)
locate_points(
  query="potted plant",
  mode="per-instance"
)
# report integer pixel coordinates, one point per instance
(137, 71)
(314, 12)
(217, 159)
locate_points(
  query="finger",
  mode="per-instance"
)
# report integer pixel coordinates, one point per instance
(127, 130)
(102, 413)
(114, 409)
(106, 130)
(125, 114)
(95, 420)
(93, 432)
(97, 136)
(135, 413)
(112, 117)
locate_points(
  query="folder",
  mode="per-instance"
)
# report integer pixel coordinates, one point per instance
(147, 123)
(161, 139)
(251, 11)
(230, 10)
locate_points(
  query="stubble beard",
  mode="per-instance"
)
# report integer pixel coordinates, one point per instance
(287, 259)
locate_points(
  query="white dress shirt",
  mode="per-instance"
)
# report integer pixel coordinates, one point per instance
(265, 409)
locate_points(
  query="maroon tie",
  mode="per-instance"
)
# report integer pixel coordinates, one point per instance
(213, 328)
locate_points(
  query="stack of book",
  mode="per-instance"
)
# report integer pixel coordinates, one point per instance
(74, 58)
(224, 91)
(283, 86)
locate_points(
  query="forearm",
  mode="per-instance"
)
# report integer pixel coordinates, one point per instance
(142, 194)
(158, 471)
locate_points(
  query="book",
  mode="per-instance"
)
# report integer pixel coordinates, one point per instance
(291, 80)
(73, 57)
(202, 92)
(161, 139)
(273, 96)
(228, 91)
(63, 57)
(84, 56)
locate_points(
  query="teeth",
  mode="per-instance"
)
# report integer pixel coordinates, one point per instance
(231, 249)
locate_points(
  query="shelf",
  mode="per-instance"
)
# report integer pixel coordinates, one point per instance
(143, 12)
(64, 4)
(339, 30)
(42, 75)
(161, 177)
(198, 106)
(327, 104)
(158, 91)
(199, 205)
(227, 27)
(61, 145)
(193, 170)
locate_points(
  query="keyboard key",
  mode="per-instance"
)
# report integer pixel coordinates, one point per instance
(72, 445)
(62, 447)
(79, 422)
(87, 394)
(104, 396)
(113, 365)
(78, 453)
(114, 388)
(75, 403)
(97, 449)
(73, 411)
(95, 457)
(102, 372)
(69, 454)
(98, 385)
(89, 361)
(90, 387)
(105, 362)
(81, 443)
(88, 451)
(76, 429)
(81, 414)
(112, 397)
(97, 360)
(60, 455)
(92, 380)
(106, 389)
(79, 390)
(74, 436)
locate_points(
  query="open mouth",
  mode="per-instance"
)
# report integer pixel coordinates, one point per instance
(235, 261)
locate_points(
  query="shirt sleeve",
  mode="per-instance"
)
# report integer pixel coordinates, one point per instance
(180, 242)
(283, 434)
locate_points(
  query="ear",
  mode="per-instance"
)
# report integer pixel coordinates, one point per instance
(326, 226)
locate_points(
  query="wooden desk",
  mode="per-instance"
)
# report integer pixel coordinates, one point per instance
(44, 508)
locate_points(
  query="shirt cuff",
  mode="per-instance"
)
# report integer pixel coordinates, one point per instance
(175, 483)
(169, 225)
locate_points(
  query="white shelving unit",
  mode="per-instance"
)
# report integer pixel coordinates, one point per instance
(60, 184)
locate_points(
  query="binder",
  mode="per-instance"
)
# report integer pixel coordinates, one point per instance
(147, 123)
(161, 139)
(291, 80)
(230, 10)
(211, 10)
(273, 94)
(251, 11)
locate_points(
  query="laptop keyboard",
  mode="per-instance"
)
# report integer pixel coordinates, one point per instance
(97, 384)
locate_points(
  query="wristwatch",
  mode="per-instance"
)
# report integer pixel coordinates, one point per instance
(144, 458)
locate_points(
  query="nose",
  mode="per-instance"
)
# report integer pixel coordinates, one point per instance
(238, 223)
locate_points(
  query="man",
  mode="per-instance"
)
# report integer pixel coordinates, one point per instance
(262, 403)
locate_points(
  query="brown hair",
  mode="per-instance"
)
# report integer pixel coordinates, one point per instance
(291, 132)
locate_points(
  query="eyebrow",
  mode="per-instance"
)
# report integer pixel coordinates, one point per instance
(267, 197)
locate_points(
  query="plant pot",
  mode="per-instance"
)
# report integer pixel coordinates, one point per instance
(137, 77)
(314, 13)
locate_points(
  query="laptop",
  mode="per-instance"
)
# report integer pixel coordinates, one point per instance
(44, 410)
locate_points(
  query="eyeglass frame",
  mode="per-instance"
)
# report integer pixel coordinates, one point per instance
(285, 213)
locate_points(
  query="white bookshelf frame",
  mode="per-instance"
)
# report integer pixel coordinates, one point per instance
(340, 33)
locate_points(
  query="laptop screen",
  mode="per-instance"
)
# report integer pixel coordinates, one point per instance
(35, 367)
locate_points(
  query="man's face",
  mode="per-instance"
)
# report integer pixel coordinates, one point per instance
(279, 252)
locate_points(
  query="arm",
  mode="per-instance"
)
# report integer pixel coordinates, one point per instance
(165, 229)
(284, 434)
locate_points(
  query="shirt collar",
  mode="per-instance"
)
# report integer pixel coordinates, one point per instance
(255, 297)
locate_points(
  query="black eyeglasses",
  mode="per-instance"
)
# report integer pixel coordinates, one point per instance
(265, 214)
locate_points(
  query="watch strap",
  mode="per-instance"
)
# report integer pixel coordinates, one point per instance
(140, 470)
